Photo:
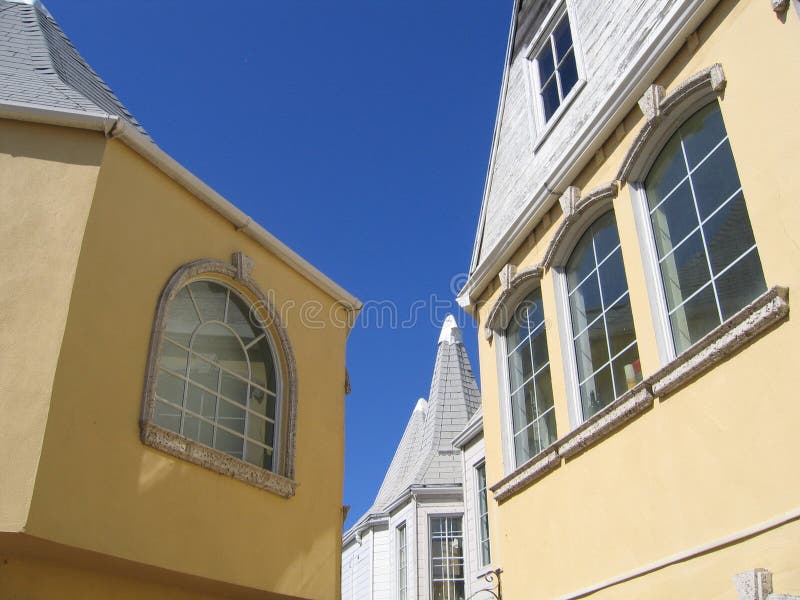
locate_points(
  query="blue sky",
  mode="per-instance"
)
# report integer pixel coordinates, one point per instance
(358, 132)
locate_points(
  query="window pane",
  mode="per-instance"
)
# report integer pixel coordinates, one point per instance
(606, 237)
(613, 282)
(170, 388)
(627, 370)
(520, 365)
(240, 321)
(229, 443)
(741, 284)
(568, 73)
(260, 430)
(201, 402)
(668, 170)
(173, 357)
(544, 392)
(210, 299)
(234, 388)
(167, 416)
(544, 60)
(262, 402)
(702, 132)
(230, 416)
(728, 235)
(694, 319)
(581, 262)
(547, 428)
(591, 349)
(182, 318)
(203, 372)
(619, 324)
(258, 456)
(597, 392)
(585, 304)
(715, 180)
(550, 98)
(198, 430)
(262, 369)
(539, 349)
(523, 406)
(685, 270)
(674, 219)
(562, 38)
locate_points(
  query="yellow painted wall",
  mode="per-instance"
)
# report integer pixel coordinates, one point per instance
(100, 489)
(720, 455)
(46, 190)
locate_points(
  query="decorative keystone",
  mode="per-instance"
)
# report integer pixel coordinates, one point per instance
(507, 275)
(244, 265)
(753, 585)
(650, 102)
(717, 76)
(779, 5)
(569, 200)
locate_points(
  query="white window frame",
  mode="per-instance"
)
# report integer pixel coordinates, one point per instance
(448, 515)
(541, 126)
(479, 546)
(569, 358)
(401, 571)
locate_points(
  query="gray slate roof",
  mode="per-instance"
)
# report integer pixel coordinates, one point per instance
(40, 66)
(425, 455)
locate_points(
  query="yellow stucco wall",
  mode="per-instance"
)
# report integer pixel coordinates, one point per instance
(100, 489)
(46, 190)
(720, 455)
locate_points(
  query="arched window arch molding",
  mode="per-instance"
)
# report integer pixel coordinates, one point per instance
(665, 114)
(522, 283)
(236, 276)
(579, 213)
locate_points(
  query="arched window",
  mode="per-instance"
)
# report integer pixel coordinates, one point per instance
(533, 418)
(707, 255)
(217, 383)
(221, 389)
(603, 335)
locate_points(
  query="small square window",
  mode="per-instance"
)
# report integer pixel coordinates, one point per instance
(556, 67)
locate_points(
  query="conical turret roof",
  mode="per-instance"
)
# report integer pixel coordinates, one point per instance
(425, 455)
(39, 65)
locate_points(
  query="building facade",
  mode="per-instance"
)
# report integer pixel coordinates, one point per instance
(162, 417)
(631, 277)
(419, 540)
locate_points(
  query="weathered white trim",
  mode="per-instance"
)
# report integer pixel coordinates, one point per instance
(752, 321)
(645, 66)
(115, 127)
(281, 481)
(746, 325)
(763, 527)
(473, 429)
(503, 309)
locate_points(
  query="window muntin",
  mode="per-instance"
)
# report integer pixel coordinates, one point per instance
(447, 558)
(532, 412)
(484, 550)
(402, 562)
(707, 254)
(603, 333)
(217, 381)
(556, 67)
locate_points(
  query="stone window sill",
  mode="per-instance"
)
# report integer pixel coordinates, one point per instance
(747, 325)
(214, 460)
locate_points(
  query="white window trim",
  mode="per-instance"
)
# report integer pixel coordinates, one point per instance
(540, 126)
(429, 535)
(398, 580)
(481, 463)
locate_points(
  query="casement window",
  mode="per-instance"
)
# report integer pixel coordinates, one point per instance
(217, 382)
(555, 66)
(447, 558)
(707, 256)
(606, 355)
(530, 386)
(402, 562)
(221, 389)
(482, 505)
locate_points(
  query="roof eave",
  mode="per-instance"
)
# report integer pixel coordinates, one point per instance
(116, 127)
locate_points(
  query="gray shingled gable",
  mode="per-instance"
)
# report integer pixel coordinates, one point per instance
(40, 66)
(425, 454)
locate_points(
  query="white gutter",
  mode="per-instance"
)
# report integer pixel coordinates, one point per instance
(115, 127)
(739, 536)
(650, 61)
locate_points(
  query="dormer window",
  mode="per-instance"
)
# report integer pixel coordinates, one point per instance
(556, 71)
